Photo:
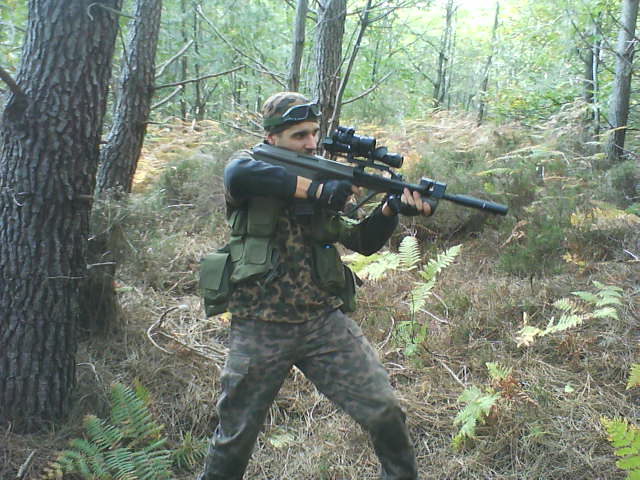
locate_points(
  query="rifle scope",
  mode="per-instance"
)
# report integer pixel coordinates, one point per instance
(345, 140)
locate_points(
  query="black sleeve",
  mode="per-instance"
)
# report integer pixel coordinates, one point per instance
(246, 177)
(370, 234)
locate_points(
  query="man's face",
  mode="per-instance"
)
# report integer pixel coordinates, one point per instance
(301, 137)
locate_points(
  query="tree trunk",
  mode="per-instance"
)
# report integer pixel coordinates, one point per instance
(328, 57)
(49, 140)
(364, 23)
(487, 67)
(293, 79)
(440, 85)
(183, 61)
(619, 103)
(119, 157)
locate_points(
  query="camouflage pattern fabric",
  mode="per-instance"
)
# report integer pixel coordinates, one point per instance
(290, 295)
(337, 358)
(279, 103)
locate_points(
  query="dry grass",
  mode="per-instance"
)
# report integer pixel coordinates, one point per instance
(549, 430)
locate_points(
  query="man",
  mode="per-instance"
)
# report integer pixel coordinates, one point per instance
(290, 291)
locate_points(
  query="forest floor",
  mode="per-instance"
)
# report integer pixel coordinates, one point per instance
(545, 422)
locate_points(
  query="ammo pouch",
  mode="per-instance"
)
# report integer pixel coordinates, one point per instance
(250, 253)
(333, 276)
(252, 243)
(215, 288)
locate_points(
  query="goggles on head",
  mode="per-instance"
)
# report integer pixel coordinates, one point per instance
(297, 113)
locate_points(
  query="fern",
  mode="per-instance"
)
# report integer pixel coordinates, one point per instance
(478, 406)
(409, 253)
(634, 376)
(190, 452)
(497, 372)
(593, 305)
(625, 438)
(422, 290)
(127, 448)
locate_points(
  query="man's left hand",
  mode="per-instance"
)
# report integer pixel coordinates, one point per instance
(409, 204)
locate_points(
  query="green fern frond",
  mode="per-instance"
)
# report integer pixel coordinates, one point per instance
(575, 314)
(409, 253)
(497, 372)
(442, 260)
(565, 304)
(105, 436)
(128, 448)
(625, 438)
(478, 406)
(190, 453)
(357, 262)
(634, 376)
(419, 294)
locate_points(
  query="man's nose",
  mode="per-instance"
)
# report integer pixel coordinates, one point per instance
(310, 141)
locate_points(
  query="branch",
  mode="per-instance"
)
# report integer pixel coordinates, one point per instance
(8, 79)
(168, 97)
(263, 68)
(368, 90)
(192, 80)
(240, 129)
(174, 58)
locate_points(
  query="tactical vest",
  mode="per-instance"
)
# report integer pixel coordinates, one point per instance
(252, 254)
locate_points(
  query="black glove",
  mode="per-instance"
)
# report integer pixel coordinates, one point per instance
(334, 193)
(399, 207)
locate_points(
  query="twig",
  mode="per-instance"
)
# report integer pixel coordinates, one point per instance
(156, 324)
(446, 367)
(173, 59)
(25, 466)
(167, 98)
(367, 91)
(248, 132)
(8, 79)
(635, 257)
(184, 82)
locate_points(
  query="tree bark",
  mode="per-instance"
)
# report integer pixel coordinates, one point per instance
(49, 139)
(328, 57)
(293, 79)
(119, 157)
(619, 103)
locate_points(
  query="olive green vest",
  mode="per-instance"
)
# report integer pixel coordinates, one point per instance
(251, 254)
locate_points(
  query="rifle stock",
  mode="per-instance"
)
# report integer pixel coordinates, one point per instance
(314, 167)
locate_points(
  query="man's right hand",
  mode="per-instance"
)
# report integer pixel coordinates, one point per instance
(331, 194)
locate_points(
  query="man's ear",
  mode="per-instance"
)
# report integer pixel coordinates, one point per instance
(271, 138)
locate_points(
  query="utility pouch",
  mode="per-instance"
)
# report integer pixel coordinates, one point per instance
(348, 294)
(328, 268)
(263, 216)
(252, 257)
(215, 287)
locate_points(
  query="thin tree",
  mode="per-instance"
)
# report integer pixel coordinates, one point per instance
(293, 79)
(487, 67)
(328, 57)
(619, 102)
(49, 139)
(119, 156)
(445, 52)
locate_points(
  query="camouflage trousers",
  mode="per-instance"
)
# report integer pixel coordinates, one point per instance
(337, 358)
